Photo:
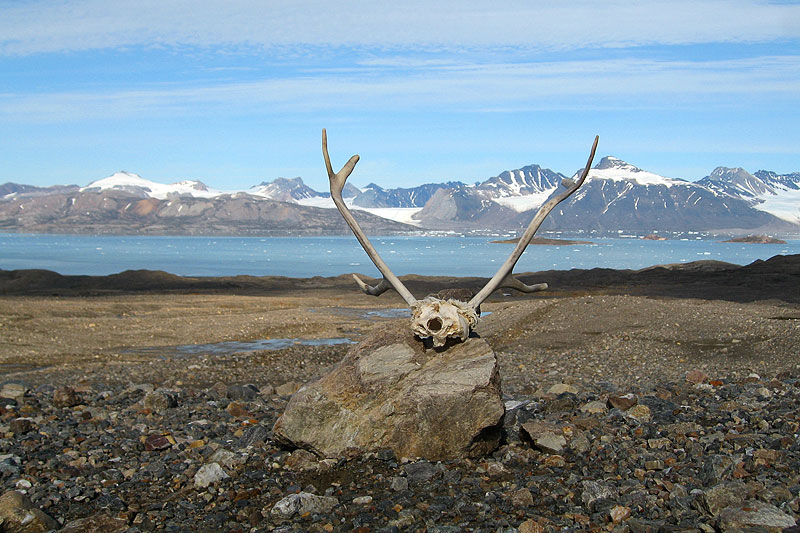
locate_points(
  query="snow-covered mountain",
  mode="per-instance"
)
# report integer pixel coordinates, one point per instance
(375, 196)
(128, 204)
(777, 194)
(135, 184)
(616, 196)
(522, 189)
(16, 190)
(284, 190)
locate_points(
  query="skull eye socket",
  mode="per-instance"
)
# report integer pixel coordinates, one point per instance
(434, 324)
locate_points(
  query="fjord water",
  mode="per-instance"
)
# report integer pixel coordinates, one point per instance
(331, 256)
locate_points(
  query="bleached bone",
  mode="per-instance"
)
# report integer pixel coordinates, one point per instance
(442, 319)
(432, 317)
(337, 185)
(513, 283)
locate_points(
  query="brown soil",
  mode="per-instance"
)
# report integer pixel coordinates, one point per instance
(619, 326)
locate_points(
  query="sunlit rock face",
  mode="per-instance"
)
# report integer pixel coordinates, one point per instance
(391, 391)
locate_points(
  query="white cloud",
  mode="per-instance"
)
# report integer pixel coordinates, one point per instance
(599, 84)
(56, 26)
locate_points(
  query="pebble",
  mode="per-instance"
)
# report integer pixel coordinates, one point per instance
(546, 437)
(619, 513)
(697, 376)
(13, 391)
(160, 401)
(420, 472)
(302, 503)
(639, 412)
(287, 389)
(561, 388)
(209, 474)
(622, 401)
(97, 523)
(679, 459)
(242, 392)
(65, 397)
(594, 407)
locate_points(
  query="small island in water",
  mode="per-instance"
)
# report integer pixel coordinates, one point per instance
(542, 240)
(757, 239)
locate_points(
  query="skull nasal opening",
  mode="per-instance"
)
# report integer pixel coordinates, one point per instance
(434, 324)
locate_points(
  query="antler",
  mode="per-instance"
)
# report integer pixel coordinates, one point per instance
(503, 276)
(337, 185)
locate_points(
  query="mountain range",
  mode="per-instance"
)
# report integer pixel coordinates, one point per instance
(617, 196)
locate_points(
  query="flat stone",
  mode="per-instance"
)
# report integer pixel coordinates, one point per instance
(302, 503)
(157, 442)
(639, 412)
(521, 498)
(619, 513)
(531, 526)
(697, 376)
(14, 391)
(595, 492)
(718, 497)
(98, 523)
(399, 483)
(390, 391)
(225, 458)
(287, 389)
(594, 407)
(755, 514)
(546, 437)
(561, 388)
(253, 436)
(420, 472)
(242, 392)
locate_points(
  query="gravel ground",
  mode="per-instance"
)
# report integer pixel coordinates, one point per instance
(624, 413)
(699, 455)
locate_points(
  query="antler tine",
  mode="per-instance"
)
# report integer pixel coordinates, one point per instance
(508, 267)
(376, 290)
(337, 180)
(513, 283)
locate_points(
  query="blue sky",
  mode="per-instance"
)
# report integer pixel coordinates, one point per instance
(236, 92)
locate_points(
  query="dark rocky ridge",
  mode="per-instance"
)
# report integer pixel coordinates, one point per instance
(774, 279)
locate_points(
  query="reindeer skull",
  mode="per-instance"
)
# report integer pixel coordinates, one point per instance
(442, 319)
(432, 317)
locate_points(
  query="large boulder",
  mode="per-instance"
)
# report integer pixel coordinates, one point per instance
(391, 391)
